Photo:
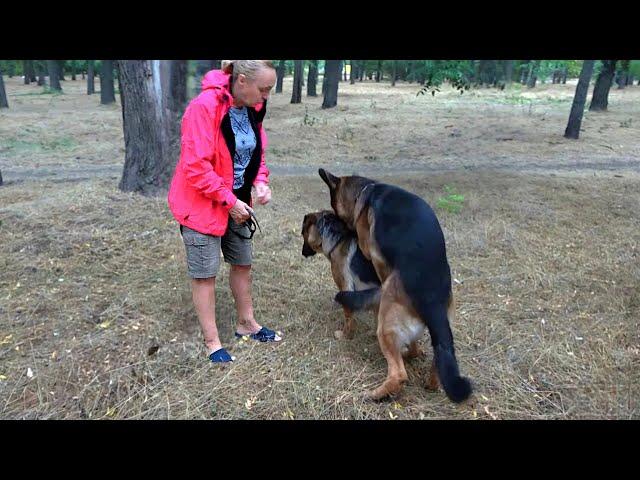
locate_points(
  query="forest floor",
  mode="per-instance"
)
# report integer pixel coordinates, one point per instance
(96, 318)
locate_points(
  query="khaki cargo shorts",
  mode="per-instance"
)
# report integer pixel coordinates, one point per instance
(203, 251)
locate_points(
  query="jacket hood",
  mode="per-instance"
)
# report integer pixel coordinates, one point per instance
(216, 79)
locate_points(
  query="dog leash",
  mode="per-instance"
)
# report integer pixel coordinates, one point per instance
(251, 224)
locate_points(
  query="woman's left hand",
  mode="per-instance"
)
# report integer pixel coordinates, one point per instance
(263, 193)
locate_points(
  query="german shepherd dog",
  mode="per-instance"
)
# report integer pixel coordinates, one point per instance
(323, 232)
(399, 232)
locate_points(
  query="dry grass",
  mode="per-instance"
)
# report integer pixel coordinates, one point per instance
(96, 319)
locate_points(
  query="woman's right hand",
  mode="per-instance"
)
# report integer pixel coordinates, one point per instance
(240, 212)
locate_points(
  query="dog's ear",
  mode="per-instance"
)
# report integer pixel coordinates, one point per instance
(329, 179)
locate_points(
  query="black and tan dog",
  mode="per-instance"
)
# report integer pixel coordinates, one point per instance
(402, 237)
(323, 232)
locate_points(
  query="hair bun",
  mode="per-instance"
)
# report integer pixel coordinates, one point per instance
(227, 66)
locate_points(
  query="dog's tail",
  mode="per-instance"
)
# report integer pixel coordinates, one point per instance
(456, 387)
(360, 299)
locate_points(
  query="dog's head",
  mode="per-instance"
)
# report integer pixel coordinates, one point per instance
(344, 192)
(321, 231)
(310, 233)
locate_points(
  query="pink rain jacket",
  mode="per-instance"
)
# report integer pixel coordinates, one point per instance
(201, 191)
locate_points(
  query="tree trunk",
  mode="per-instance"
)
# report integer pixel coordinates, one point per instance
(477, 64)
(280, 76)
(3, 99)
(54, 80)
(296, 94)
(0, 178)
(202, 67)
(600, 97)
(32, 72)
(579, 99)
(393, 72)
(175, 95)
(40, 68)
(623, 74)
(91, 89)
(344, 70)
(150, 144)
(73, 70)
(363, 67)
(332, 73)
(354, 72)
(61, 70)
(324, 79)
(533, 74)
(565, 69)
(524, 68)
(25, 71)
(508, 72)
(312, 79)
(379, 71)
(107, 93)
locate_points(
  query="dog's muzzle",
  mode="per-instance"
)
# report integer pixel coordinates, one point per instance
(307, 251)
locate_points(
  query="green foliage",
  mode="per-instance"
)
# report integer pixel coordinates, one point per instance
(309, 120)
(452, 201)
(435, 72)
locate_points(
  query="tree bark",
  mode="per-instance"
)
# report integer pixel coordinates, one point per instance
(363, 67)
(296, 95)
(4, 103)
(176, 93)
(61, 70)
(91, 88)
(533, 74)
(524, 68)
(54, 79)
(600, 97)
(107, 92)
(202, 67)
(579, 99)
(40, 72)
(280, 76)
(312, 78)
(332, 73)
(150, 138)
(32, 72)
(508, 72)
(393, 72)
(354, 72)
(73, 70)
(25, 71)
(379, 71)
(324, 79)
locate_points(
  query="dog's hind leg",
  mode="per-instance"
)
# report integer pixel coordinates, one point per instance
(392, 336)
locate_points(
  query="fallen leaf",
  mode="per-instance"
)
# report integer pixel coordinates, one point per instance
(29, 372)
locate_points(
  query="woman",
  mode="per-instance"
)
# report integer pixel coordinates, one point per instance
(221, 159)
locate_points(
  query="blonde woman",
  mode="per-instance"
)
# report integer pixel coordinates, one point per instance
(221, 161)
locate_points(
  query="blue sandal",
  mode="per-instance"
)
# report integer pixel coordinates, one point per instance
(262, 335)
(221, 356)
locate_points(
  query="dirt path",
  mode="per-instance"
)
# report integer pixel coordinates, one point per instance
(565, 166)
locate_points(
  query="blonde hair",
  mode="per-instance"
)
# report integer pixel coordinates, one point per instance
(246, 67)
